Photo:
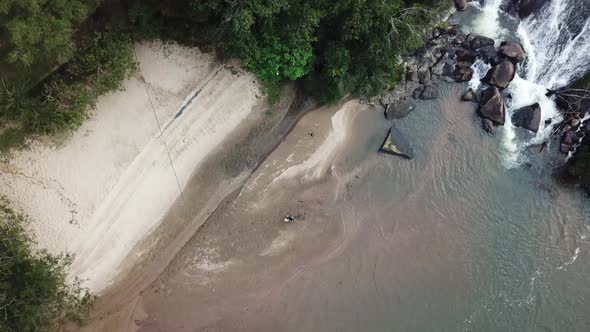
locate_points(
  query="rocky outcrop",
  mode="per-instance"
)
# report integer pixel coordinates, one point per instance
(397, 144)
(513, 51)
(501, 74)
(528, 117)
(491, 105)
(469, 95)
(460, 4)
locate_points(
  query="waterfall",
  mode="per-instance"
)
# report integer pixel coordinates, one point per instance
(557, 43)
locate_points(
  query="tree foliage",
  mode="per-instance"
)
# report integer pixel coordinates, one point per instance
(34, 293)
(335, 47)
(41, 30)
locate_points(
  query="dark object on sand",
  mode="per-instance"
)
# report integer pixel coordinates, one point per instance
(396, 144)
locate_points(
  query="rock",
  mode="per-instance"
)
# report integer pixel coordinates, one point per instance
(548, 121)
(576, 99)
(429, 92)
(460, 5)
(500, 75)
(396, 144)
(525, 8)
(491, 105)
(463, 72)
(398, 109)
(464, 55)
(460, 40)
(417, 92)
(564, 148)
(469, 95)
(528, 117)
(575, 123)
(513, 51)
(487, 54)
(423, 75)
(488, 126)
(412, 76)
(476, 41)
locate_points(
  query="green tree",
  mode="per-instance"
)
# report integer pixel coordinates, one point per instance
(34, 293)
(41, 30)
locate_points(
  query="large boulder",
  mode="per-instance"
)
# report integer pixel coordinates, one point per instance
(463, 72)
(423, 75)
(476, 41)
(491, 105)
(460, 4)
(501, 74)
(397, 144)
(528, 117)
(513, 51)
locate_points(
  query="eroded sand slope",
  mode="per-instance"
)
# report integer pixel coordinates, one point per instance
(110, 184)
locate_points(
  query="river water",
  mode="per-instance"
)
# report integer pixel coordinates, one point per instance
(449, 241)
(456, 239)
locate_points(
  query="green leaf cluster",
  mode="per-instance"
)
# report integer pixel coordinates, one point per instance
(34, 292)
(41, 30)
(100, 65)
(332, 47)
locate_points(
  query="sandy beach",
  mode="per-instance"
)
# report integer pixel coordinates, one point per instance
(108, 186)
(245, 235)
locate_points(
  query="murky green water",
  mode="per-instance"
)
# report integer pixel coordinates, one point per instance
(450, 241)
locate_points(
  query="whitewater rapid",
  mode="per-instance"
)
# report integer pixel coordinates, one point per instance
(557, 43)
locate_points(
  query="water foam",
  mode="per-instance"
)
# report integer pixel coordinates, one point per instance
(557, 43)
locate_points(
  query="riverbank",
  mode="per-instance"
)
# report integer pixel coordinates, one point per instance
(100, 192)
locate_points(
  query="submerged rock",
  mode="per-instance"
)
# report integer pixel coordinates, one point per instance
(398, 109)
(492, 105)
(513, 51)
(500, 75)
(469, 95)
(429, 92)
(397, 144)
(488, 126)
(528, 117)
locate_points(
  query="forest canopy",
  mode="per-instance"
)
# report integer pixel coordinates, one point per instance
(334, 47)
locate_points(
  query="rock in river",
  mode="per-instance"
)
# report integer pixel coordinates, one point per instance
(492, 105)
(396, 144)
(528, 117)
(463, 72)
(476, 41)
(500, 75)
(469, 95)
(398, 109)
(513, 51)
(460, 4)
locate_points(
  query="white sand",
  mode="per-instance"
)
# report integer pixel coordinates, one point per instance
(111, 183)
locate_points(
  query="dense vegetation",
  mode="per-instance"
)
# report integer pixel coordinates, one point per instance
(34, 294)
(333, 47)
(100, 63)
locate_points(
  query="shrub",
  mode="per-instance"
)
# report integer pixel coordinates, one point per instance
(34, 293)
